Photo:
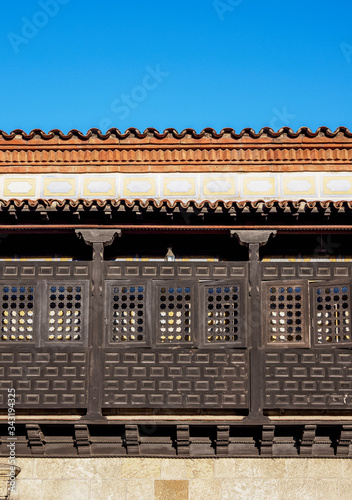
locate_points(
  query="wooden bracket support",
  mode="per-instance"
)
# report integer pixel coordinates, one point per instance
(182, 440)
(132, 439)
(267, 441)
(222, 439)
(82, 439)
(345, 441)
(35, 439)
(307, 440)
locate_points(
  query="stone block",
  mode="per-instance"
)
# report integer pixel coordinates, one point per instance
(139, 489)
(325, 468)
(225, 468)
(28, 489)
(326, 489)
(140, 468)
(53, 489)
(344, 489)
(267, 468)
(108, 489)
(3, 486)
(27, 467)
(80, 468)
(77, 489)
(238, 489)
(296, 467)
(173, 468)
(49, 468)
(170, 490)
(297, 489)
(200, 489)
(108, 468)
(200, 469)
(264, 489)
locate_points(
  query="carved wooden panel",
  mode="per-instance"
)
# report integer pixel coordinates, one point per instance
(176, 379)
(32, 269)
(308, 379)
(204, 270)
(307, 270)
(44, 378)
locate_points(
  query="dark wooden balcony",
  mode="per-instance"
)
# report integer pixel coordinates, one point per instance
(260, 346)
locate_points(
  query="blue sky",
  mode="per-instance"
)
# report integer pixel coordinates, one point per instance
(191, 63)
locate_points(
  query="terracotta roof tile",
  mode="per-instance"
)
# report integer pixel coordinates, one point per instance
(170, 151)
(171, 132)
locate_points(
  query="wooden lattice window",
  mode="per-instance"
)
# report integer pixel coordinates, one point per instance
(174, 310)
(285, 306)
(18, 312)
(66, 311)
(127, 317)
(223, 313)
(331, 305)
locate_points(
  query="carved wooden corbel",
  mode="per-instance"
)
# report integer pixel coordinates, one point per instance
(267, 441)
(307, 440)
(222, 439)
(35, 439)
(82, 439)
(132, 439)
(183, 440)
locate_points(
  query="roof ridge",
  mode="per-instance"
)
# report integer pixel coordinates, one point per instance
(208, 131)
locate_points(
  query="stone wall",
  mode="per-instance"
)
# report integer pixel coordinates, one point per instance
(183, 479)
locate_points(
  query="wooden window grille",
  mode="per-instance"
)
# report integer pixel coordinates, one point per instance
(285, 307)
(167, 312)
(65, 312)
(18, 312)
(331, 305)
(127, 304)
(175, 312)
(223, 313)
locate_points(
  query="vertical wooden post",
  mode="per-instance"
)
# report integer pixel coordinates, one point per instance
(254, 239)
(98, 239)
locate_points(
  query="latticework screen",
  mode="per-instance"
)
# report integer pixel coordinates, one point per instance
(223, 311)
(175, 312)
(17, 312)
(128, 313)
(65, 312)
(332, 310)
(285, 313)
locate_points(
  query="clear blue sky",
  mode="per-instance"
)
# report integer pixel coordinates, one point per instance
(188, 63)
